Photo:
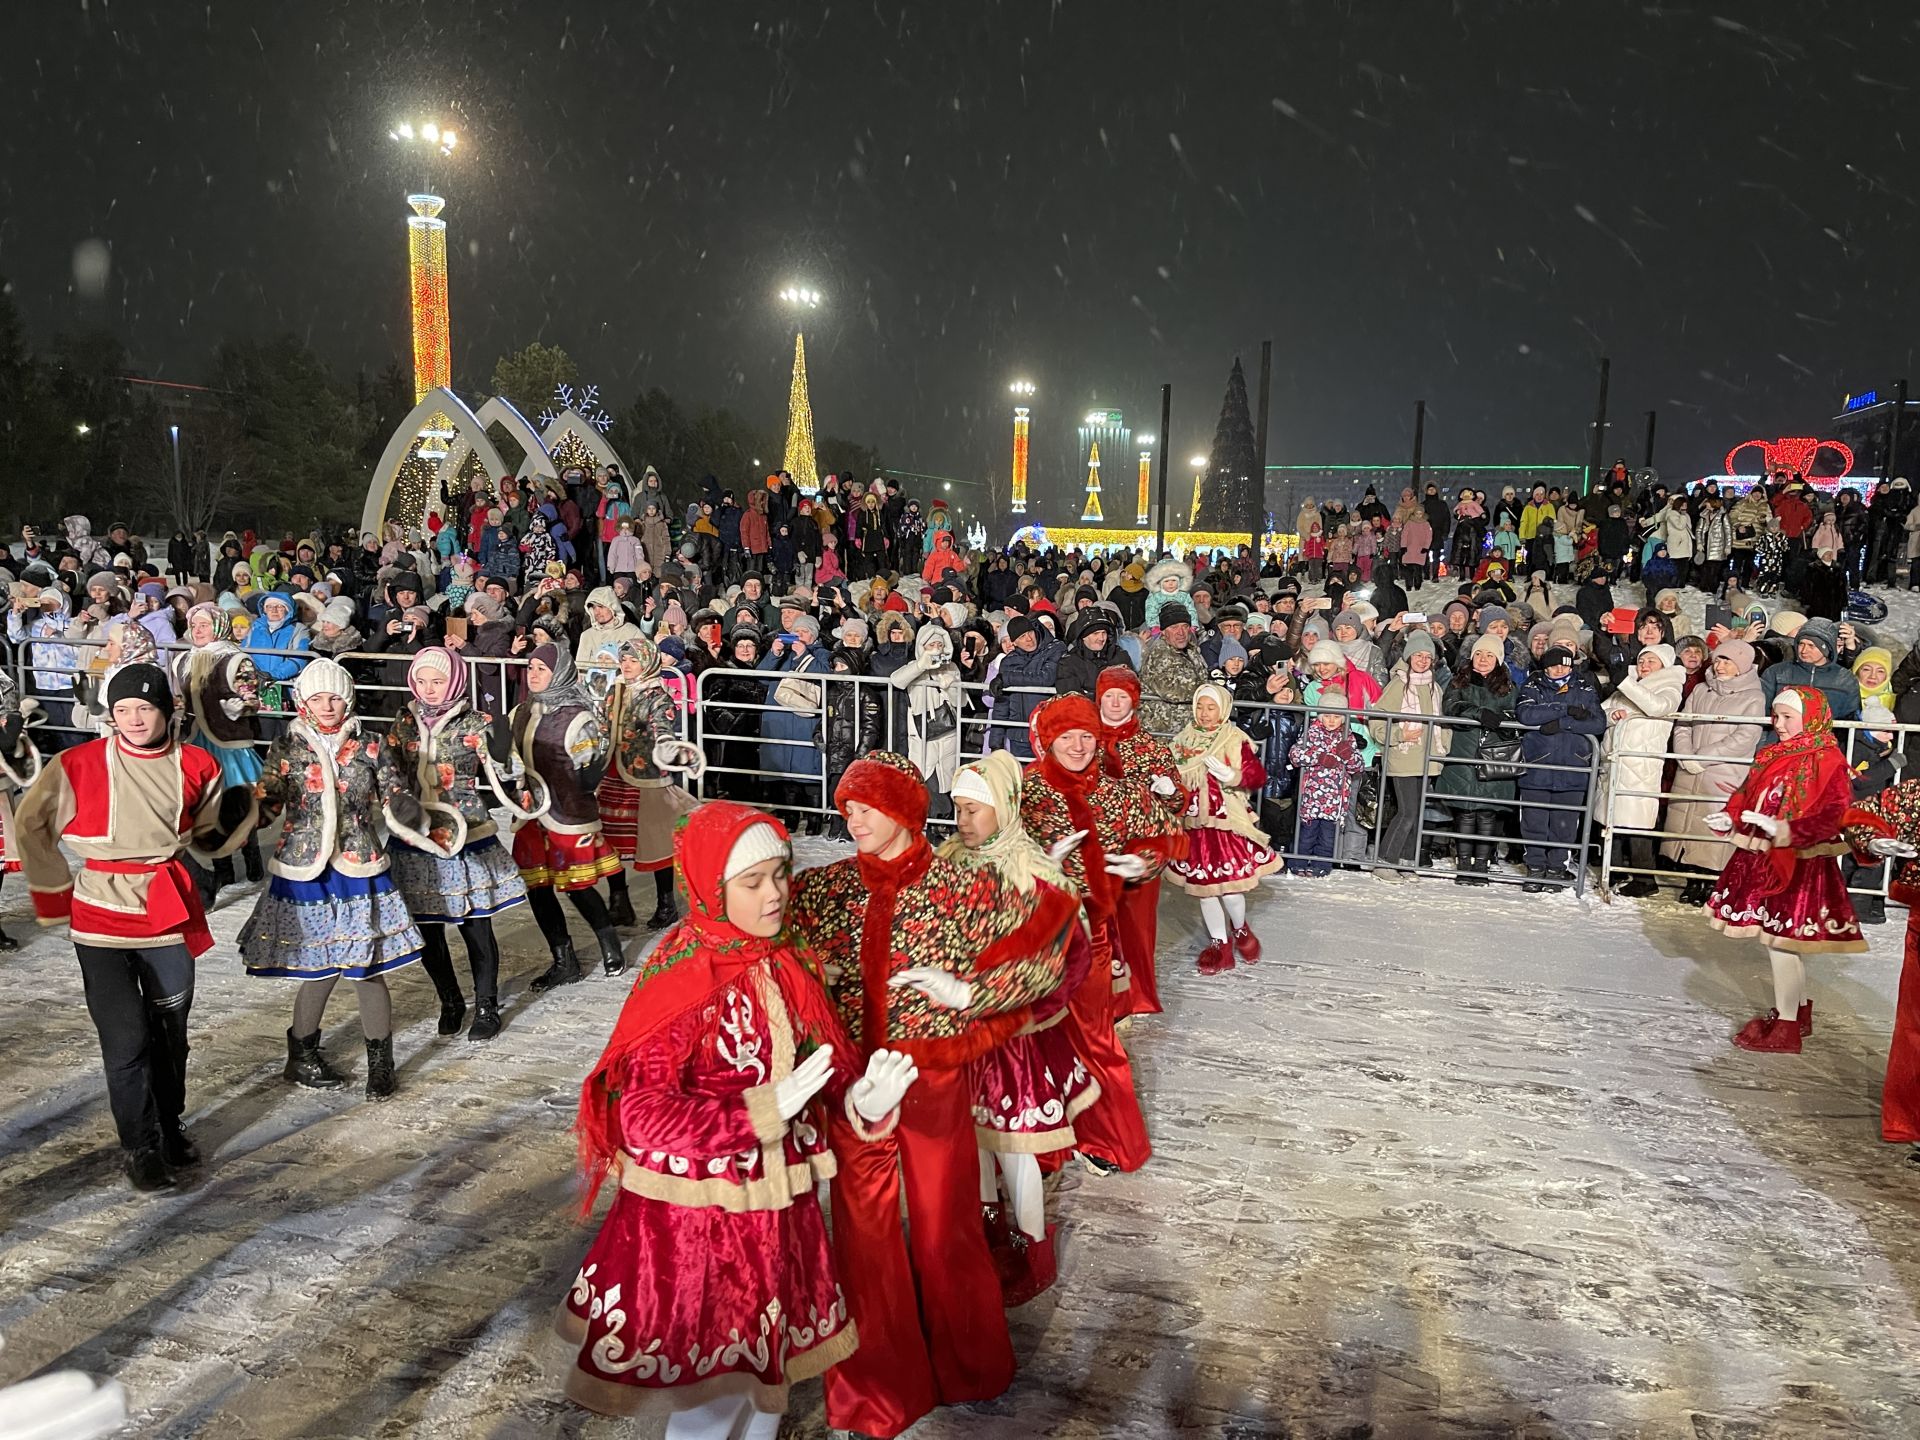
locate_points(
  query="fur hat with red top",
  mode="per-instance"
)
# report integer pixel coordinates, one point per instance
(888, 783)
(1117, 677)
(1057, 716)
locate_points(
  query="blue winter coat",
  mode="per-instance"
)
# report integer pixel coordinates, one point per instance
(289, 636)
(801, 761)
(1546, 701)
(1836, 682)
(1022, 671)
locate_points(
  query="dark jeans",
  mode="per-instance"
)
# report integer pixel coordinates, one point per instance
(1399, 842)
(1317, 839)
(1550, 834)
(139, 1001)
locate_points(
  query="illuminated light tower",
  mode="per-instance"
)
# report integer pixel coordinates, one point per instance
(1023, 389)
(1199, 463)
(1092, 512)
(1146, 470)
(800, 462)
(427, 265)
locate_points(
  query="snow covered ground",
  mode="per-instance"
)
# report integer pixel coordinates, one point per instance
(1448, 1163)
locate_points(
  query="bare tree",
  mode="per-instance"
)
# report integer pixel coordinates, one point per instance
(212, 457)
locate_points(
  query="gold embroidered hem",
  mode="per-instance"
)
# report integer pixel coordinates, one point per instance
(735, 1197)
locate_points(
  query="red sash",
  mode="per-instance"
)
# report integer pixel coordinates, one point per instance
(173, 905)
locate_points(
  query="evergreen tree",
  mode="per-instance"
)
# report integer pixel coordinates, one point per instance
(1233, 466)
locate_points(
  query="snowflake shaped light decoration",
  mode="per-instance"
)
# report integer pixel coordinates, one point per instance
(586, 400)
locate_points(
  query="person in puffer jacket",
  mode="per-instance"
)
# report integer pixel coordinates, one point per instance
(1814, 647)
(1563, 709)
(1032, 665)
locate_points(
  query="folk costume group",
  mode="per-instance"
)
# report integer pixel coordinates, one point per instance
(928, 1032)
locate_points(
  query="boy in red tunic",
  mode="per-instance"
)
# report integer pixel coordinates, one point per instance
(1147, 758)
(128, 805)
(942, 964)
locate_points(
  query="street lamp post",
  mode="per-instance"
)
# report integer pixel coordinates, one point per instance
(1021, 390)
(179, 491)
(800, 462)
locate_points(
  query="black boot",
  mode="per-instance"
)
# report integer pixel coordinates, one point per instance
(613, 959)
(438, 964)
(147, 1170)
(565, 969)
(7, 942)
(250, 854)
(380, 1082)
(486, 1020)
(664, 914)
(222, 873)
(307, 1066)
(177, 1147)
(620, 908)
(1695, 892)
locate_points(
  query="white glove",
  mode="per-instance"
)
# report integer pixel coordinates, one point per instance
(233, 707)
(1693, 767)
(1127, 867)
(1765, 824)
(942, 987)
(1221, 770)
(1888, 848)
(1720, 822)
(790, 1096)
(1065, 846)
(1162, 786)
(878, 1092)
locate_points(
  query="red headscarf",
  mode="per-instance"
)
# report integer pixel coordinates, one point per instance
(693, 963)
(1786, 778)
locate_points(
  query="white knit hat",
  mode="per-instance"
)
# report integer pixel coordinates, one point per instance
(1790, 700)
(323, 677)
(970, 784)
(1326, 653)
(756, 843)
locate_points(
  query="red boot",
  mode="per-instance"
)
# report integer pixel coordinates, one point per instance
(1769, 1034)
(1246, 945)
(1805, 1017)
(1216, 957)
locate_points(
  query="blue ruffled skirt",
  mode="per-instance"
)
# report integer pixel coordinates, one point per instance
(356, 926)
(480, 881)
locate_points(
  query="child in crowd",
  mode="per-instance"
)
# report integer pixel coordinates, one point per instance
(1327, 756)
(1874, 765)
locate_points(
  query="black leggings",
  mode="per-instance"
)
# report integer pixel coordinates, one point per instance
(552, 921)
(139, 1001)
(483, 956)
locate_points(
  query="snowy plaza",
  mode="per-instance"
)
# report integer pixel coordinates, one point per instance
(1489, 1169)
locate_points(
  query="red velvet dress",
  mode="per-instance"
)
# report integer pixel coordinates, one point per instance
(712, 1274)
(1145, 758)
(1790, 898)
(1221, 860)
(1027, 1092)
(1895, 813)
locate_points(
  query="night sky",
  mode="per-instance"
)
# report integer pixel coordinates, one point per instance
(1464, 202)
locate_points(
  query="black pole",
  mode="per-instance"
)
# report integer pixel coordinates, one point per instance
(1893, 429)
(1653, 417)
(1258, 521)
(1166, 444)
(1419, 442)
(1599, 426)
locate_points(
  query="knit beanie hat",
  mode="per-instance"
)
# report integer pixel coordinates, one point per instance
(323, 677)
(1332, 697)
(338, 612)
(1494, 613)
(1419, 643)
(1559, 655)
(1232, 649)
(756, 843)
(1326, 653)
(1348, 618)
(1823, 633)
(1663, 653)
(1492, 645)
(1174, 613)
(1021, 625)
(890, 784)
(1876, 714)
(141, 682)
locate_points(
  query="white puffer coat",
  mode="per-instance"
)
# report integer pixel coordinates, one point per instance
(1640, 714)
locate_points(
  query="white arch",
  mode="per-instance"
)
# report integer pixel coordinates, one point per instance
(502, 412)
(466, 425)
(597, 445)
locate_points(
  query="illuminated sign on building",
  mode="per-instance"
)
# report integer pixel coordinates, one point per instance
(1861, 402)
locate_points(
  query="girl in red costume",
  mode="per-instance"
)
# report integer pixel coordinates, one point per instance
(1126, 837)
(1227, 852)
(1144, 757)
(1783, 883)
(1887, 827)
(710, 1289)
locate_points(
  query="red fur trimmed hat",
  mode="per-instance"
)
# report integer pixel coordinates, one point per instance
(1057, 716)
(1117, 677)
(888, 783)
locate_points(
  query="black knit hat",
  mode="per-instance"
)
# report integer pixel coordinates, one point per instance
(141, 682)
(1174, 613)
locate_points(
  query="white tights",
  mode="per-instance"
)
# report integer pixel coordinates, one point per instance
(1789, 983)
(1019, 1176)
(1223, 913)
(731, 1417)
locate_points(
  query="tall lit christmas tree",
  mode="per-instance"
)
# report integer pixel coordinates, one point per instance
(1226, 500)
(1092, 512)
(800, 462)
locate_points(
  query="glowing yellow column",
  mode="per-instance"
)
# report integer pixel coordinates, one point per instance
(1092, 512)
(799, 462)
(1146, 468)
(427, 265)
(1019, 459)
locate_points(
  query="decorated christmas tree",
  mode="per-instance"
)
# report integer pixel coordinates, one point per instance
(800, 462)
(1233, 479)
(1092, 512)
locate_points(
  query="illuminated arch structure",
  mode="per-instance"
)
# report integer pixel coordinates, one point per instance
(441, 442)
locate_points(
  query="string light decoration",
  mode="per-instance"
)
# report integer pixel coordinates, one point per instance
(799, 461)
(427, 276)
(1794, 454)
(585, 402)
(1180, 542)
(1146, 471)
(1020, 460)
(1092, 512)
(570, 451)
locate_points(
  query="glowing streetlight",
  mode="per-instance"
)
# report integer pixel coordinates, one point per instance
(801, 296)
(84, 428)
(1199, 463)
(428, 134)
(1020, 390)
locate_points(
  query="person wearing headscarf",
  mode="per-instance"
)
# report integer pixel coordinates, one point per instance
(709, 1110)
(563, 748)
(941, 964)
(1886, 827)
(1026, 1092)
(1135, 752)
(1783, 883)
(128, 806)
(331, 908)
(639, 802)
(1227, 852)
(457, 872)
(219, 689)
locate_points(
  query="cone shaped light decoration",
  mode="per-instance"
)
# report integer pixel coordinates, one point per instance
(1092, 512)
(800, 460)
